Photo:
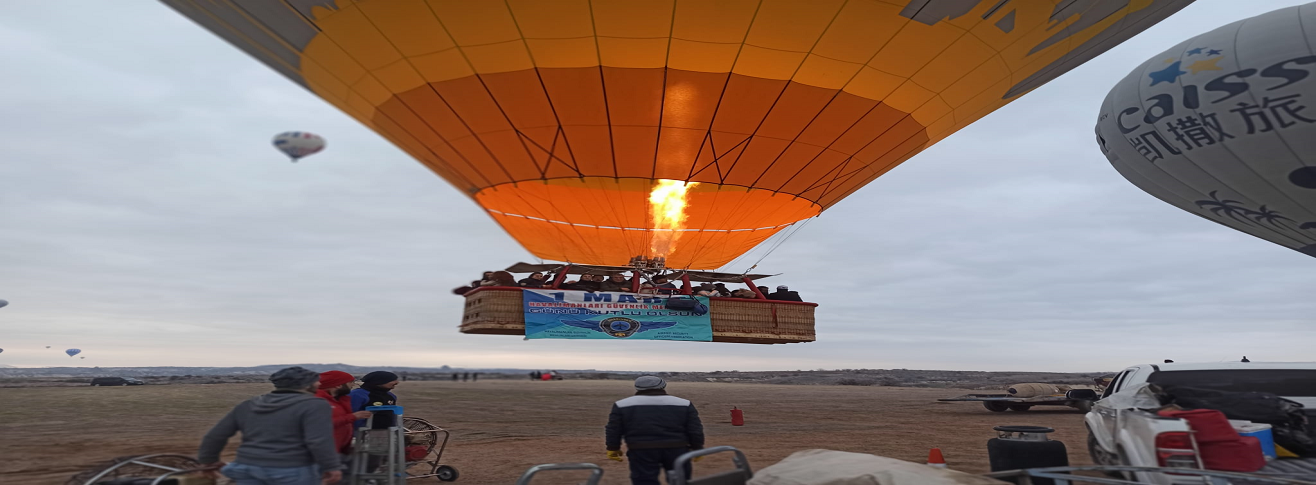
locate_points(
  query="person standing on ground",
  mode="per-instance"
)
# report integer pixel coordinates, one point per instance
(334, 387)
(287, 436)
(656, 427)
(376, 390)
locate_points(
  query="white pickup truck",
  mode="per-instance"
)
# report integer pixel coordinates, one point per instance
(1122, 435)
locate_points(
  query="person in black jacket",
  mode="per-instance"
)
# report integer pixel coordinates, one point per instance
(784, 293)
(656, 427)
(535, 280)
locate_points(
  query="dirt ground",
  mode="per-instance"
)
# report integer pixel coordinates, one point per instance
(500, 428)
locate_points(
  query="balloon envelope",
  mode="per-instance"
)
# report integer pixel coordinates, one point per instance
(1223, 126)
(559, 117)
(298, 144)
(3, 303)
(73, 352)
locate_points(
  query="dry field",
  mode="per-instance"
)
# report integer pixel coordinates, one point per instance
(502, 427)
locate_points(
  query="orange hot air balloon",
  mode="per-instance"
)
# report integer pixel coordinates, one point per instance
(567, 119)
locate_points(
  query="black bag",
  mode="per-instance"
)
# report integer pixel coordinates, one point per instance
(1286, 418)
(686, 304)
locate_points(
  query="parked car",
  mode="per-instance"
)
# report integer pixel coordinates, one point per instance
(1124, 434)
(116, 381)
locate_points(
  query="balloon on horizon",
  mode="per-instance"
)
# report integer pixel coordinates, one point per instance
(1223, 126)
(298, 144)
(560, 118)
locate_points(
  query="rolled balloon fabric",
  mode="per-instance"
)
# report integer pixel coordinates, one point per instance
(1223, 126)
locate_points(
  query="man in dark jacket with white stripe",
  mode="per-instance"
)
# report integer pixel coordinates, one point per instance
(656, 427)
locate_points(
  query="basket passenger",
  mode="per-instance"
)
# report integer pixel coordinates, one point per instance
(535, 280)
(615, 282)
(784, 293)
(656, 428)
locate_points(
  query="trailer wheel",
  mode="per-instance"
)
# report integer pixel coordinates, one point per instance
(1019, 408)
(996, 406)
(1084, 406)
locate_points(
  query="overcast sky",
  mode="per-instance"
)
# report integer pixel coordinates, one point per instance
(145, 218)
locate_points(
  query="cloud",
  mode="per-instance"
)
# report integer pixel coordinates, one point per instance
(145, 219)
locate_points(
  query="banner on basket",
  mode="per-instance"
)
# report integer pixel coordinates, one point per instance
(602, 315)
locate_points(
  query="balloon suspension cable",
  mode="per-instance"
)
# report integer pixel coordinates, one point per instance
(795, 229)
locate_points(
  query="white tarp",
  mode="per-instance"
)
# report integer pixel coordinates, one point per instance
(826, 467)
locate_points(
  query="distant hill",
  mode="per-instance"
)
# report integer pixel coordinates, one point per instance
(263, 370)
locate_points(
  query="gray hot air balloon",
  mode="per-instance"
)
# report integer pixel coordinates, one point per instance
(3, 303)
(1224, 126)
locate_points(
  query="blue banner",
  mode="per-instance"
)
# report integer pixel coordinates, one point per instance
(602, 315)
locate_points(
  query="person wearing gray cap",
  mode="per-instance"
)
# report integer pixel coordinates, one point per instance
(656, 427)
(784, 293)
(287, 436)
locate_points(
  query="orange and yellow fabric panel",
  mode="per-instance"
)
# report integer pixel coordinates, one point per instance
(559, 116)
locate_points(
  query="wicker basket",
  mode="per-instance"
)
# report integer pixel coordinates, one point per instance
(498, 311)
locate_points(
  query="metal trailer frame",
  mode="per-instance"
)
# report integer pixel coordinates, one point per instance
(1063, 476)
(595, 475)
(1059, 475)
(736, 476)
(144, 461)
(1012, 403)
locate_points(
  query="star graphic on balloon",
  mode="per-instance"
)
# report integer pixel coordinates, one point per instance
(1169, 74)
(1214, 52)
(1205, 65)
(1195, 51)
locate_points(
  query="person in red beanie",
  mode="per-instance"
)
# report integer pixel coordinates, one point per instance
(334, 387)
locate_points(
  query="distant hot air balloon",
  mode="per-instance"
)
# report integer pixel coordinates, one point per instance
(596, 131)
(81, 357)
(2, 351)
(73, 352)
(1224, 126)
(298, 144)
(47, 346)
(3, 303)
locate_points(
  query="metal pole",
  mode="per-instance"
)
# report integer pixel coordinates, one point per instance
(750, 284)
(561, 275)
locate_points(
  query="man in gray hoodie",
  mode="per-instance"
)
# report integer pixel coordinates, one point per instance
(287, 435)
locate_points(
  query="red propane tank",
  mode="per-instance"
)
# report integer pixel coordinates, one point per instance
(737, 417)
